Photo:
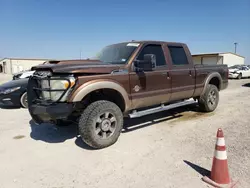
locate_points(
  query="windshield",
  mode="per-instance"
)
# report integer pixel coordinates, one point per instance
(117, 53)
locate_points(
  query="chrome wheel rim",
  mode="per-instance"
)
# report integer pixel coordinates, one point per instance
(105, 125)
(24, 100)
(212, 98)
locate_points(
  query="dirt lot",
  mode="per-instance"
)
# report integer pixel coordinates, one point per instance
(169, 149)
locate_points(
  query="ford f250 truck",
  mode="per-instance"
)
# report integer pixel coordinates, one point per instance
(130, 79)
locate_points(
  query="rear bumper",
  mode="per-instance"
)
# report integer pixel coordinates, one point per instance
(50, 113)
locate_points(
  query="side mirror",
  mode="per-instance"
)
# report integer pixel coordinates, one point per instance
(147, 64)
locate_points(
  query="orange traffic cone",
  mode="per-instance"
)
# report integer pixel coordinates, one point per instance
(219, 173)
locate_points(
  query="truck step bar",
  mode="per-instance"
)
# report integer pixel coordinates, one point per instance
(136, 114)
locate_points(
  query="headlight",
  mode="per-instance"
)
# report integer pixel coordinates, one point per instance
(62, 84)
(57, 85)
(7, 91)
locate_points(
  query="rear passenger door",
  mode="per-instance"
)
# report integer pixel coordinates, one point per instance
(153, 87)
(182, 73)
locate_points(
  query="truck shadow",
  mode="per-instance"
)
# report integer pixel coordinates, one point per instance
(138, 123)
(9, 107)
(52, 134)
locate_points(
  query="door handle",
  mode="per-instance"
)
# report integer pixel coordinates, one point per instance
(190, 73)
(166, 74)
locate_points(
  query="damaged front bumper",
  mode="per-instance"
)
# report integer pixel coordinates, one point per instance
(50, 113)
(47, 97)
(233, 75)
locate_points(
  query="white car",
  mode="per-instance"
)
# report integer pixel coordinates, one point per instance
(25, 74)
(239, 72)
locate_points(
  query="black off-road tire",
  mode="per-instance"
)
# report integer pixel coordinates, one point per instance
(205, 102)
(89, 126)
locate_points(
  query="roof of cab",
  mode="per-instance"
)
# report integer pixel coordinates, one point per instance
(150, 41)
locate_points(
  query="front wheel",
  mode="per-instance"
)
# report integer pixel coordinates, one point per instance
(210, 99)
(24, 100)
(100, 124)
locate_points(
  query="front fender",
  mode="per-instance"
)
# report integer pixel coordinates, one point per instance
(91, 86)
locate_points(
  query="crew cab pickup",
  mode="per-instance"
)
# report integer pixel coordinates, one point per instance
(130, 79)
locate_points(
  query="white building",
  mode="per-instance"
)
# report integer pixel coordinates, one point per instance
(228, 58)
(15, 65)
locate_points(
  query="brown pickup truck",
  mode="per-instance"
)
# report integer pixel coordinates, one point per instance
(131, 79)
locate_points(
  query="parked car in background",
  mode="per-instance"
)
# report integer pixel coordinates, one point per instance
(239, 72)
(235, 66)
(24, 74)
(13, 93)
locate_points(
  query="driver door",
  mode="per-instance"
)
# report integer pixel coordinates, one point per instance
(151, 87)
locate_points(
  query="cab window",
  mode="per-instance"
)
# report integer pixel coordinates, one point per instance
(157, 51)
(178, 55)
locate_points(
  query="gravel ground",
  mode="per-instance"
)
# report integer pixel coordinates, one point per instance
(168, 149)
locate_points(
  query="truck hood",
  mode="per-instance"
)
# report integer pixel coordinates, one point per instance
(91, 67)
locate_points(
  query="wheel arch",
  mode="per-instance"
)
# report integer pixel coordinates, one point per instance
(214, 79)
(105, 85)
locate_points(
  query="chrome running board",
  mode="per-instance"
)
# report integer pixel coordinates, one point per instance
(136, 114)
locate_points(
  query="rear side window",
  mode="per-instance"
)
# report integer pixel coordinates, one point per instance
(157, 51)
(178, 55)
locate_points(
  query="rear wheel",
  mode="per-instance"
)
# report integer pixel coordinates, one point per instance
(24, 100)
(210, 99)
(100, 124)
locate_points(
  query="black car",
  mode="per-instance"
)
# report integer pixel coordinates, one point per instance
(13, 93)
(16, 76)
(24, 74)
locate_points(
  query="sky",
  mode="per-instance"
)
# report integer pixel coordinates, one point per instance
(70, 29)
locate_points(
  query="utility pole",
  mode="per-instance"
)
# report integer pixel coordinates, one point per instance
(235, 47)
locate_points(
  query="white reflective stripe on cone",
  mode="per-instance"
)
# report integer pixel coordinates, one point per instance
(222, 155)
(220, 142)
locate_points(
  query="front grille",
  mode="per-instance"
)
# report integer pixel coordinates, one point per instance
(43, 91)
